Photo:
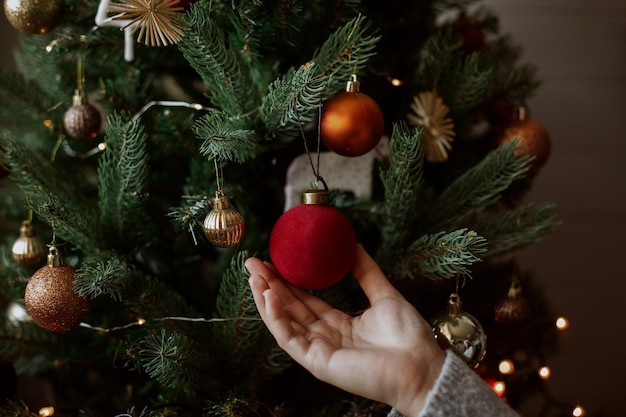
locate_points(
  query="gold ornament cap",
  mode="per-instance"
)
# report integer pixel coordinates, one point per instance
(353, 85)
(315, 197)
(454, 305)
(54, 257)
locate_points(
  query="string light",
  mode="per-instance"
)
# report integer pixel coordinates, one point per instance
(544, 372)
(499, 387)
(142, 321)
(46, 411)
(562, 323)
(506, 367)
(578, 411)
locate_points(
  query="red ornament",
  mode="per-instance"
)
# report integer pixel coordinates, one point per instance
(469, 32)
(352, 122)
(313, 245)
(534, 140)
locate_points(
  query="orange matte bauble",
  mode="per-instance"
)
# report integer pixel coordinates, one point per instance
(534, 140)
(352, 122)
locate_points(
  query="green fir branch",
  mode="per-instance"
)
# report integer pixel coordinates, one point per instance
(209, 53)
(48, 193)
(478, 187)
(292, 101)
(225, 138)
(167, 357)
(517, 228)
(441, 255)
(402, 181)
(345, 52)
(243, 341)
(96, 277)
(122, 173)
(16, 93)
(190, 216)
(462, 80)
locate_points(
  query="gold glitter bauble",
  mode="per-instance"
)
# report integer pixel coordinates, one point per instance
(33, 16)
(28, 249)
(50, 297)
(223, 226)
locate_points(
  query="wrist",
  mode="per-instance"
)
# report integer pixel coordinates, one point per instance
(412, 400)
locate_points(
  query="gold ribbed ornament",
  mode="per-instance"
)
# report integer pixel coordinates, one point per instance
(28, 249)
(224, 225)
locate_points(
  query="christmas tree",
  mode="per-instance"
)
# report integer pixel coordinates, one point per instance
(150, 146)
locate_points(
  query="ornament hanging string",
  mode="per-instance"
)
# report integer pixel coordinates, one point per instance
(315, 167)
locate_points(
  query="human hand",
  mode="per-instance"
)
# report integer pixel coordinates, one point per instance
(387, 354)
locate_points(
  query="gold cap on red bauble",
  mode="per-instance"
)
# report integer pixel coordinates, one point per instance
(352, 123)
(533, 140)
(50, 298)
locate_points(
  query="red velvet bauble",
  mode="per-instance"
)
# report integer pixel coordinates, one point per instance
(352, 123)
(313, 246)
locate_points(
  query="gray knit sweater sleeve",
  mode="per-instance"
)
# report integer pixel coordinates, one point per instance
(460, 392)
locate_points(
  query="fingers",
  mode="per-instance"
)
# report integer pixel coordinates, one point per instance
(371, 279)
(302, 307)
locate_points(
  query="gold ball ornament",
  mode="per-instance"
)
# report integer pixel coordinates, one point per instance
(28, 249)
(82, 121)
(533, 140)
(50, 298)
(224, 225)
(461, 332)
(352, 123)
(33, 16)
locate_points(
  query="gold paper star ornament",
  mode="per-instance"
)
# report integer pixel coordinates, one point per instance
(158, 21)
(430, 112)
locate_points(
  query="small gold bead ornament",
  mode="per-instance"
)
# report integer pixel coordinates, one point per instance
(28, 250)
(224, 225)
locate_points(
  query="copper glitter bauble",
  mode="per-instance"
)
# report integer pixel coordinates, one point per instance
(352, 123)
(50, 297)
(33, 16)
(460, 331)
(224, 225)
(28, 249)
(533, 140)
(82, 121)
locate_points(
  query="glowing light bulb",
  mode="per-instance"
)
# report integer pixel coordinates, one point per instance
(47, 123)
(578, 411)
(562, 323)
(141, 321)
(46, 411)
(499, 387)
(102, 146)
(506, 367)
(544, 372)
(396, 82)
